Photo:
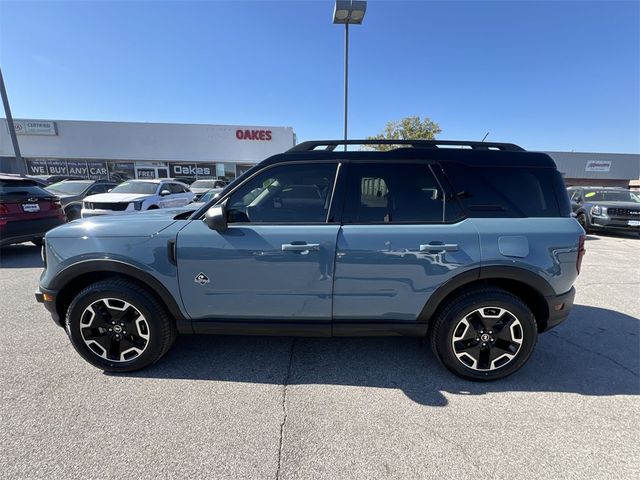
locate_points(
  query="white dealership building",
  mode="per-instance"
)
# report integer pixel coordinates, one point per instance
(121, 150)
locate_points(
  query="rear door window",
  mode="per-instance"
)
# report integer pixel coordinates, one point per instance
(393, 193)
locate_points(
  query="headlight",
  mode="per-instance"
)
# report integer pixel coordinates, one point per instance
(137, 205)
(598, 211)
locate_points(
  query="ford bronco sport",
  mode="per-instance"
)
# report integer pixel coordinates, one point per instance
(472, 247)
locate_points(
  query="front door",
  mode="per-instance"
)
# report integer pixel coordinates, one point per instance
(274, 262)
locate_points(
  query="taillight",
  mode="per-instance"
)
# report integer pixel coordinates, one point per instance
(4, 210)
(581, 252)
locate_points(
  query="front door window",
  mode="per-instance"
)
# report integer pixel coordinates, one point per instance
(285, 194)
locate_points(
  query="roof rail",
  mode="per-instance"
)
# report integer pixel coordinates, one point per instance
(330, 145)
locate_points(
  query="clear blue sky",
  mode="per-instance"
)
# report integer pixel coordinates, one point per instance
(562, 75)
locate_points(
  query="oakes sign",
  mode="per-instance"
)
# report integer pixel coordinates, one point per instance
(246, 134)
(192, 170)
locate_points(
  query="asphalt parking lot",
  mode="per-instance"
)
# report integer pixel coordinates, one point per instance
(252, 407)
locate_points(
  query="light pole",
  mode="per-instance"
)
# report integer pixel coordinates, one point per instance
(348, 12)
(12, 130)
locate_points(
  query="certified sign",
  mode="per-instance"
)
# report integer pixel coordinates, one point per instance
(598, 166)
(35, 127)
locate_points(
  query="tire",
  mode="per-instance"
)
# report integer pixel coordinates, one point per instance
(38, 242)
(72, 214)
(584, 222)
(138, 339)
(469, 320)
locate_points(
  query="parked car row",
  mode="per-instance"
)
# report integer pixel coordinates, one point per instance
(31, 206)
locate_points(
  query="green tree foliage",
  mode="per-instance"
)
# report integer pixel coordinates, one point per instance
(409, 128)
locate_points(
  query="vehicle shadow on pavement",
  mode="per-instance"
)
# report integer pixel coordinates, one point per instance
(24, 255)
(595, 353)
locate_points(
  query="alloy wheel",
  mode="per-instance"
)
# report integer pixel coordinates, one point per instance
(114, 330)
(487, 338)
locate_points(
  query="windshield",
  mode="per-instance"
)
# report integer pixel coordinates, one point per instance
(145, 188)
(611, 196)
(202, 184)
(208, 196)
(69, 188)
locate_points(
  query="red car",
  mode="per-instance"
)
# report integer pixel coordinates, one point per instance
(27, 211)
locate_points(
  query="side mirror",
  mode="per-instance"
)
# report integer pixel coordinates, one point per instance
(164, 193)
(216, 218)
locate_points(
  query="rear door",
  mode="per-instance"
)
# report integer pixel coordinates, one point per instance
(274, 262)
(402, 237)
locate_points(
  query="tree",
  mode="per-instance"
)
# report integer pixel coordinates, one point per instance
(409, 128)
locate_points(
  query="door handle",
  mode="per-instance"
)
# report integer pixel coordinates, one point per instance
(299, 247)
(439, 247)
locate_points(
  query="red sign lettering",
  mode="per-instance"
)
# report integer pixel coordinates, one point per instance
(263, 135)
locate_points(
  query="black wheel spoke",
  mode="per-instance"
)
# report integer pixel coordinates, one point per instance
(93, 333)
(114, 349)
(476, 321)
(503, 323)
(129, 315)
(129, 341)
(484, 358)
(465, 344)
(506, 346)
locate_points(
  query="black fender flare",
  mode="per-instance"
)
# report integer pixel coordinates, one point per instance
(68, 274)
(498, 272)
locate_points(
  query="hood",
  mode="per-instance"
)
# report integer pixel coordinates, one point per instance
(134, 225)
(116, 197)
(197, 190)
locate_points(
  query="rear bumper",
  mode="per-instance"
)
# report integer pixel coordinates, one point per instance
(559, 308)
(48, 299)
(26, 230)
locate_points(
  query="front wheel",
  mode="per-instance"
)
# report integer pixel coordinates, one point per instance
(119, 326)
(484, 334)
(583, 221)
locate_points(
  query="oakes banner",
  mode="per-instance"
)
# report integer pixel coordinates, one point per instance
(93, 169)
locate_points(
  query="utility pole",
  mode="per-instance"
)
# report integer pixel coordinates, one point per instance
(12, 131)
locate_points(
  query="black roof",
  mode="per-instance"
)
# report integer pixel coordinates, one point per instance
(469, 153)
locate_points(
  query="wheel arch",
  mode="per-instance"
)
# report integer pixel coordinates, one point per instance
(530, 287)
(73, 279)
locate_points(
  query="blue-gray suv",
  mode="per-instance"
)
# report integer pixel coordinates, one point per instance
(468, 244)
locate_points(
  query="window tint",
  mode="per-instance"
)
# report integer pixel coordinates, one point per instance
(101, 188)
(508, 191)
(285, 194)
(21, 187)
(392, 193)
(176, 188)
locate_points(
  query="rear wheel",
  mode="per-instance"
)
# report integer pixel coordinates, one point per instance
(484, 334)
(119, 326)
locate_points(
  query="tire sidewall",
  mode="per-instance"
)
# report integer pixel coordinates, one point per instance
(144, 306)
(444, 335)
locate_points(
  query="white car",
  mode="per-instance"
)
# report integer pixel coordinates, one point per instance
(202, 186)
(137, 195)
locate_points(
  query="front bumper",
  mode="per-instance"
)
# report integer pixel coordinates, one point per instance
(48, 299)
(613, 223)
(559, 308)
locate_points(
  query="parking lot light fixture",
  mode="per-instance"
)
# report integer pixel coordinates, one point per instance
(348, 12)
